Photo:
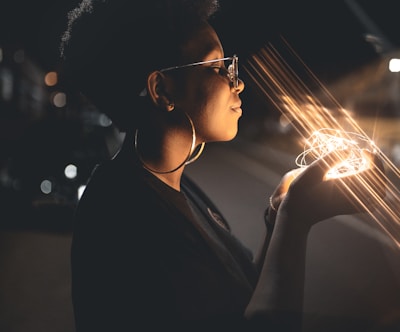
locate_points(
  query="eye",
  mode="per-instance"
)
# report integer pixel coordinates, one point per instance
(216, 68)
(221, 70)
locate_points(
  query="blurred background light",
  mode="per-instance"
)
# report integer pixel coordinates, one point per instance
(51, 78)
(46, 186)
(394, 65)
(81, 189)
(59, 99)
(71, 171)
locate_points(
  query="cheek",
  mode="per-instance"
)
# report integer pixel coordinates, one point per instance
(215, 122)
(207, 103)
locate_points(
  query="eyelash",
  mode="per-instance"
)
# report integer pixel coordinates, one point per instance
(221, 70)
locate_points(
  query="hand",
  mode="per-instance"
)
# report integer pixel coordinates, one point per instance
(305, 194)
(282, 188)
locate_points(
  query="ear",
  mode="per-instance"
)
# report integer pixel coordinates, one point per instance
(157, 88)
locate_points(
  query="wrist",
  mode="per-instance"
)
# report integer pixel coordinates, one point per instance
(293, 219)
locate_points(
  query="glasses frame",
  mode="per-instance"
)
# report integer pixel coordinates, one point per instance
(232, 70)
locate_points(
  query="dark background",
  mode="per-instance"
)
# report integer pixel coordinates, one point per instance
(333, 38)
(323, 32)
(352, 272)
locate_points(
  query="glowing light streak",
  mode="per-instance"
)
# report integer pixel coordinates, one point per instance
(317, 124)
(326, 140)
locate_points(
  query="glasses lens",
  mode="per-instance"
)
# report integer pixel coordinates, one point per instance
(234, 71)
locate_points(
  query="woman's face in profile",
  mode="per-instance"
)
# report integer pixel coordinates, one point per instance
(208, 95)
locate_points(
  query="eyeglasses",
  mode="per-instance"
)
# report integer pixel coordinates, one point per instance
(231, 68)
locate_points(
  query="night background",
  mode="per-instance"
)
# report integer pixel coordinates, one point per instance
(325, 34)
(50, 142)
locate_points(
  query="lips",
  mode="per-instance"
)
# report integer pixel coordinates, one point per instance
(237, 109)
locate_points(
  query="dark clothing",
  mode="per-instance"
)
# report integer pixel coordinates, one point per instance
(146, 257)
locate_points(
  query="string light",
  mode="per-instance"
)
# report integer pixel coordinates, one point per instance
(326, 140)
(276, 79)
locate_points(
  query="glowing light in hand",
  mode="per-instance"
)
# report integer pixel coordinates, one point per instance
(326, 140)
(307, 105)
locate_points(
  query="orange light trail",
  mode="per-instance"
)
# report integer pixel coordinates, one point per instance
(319, 128)
(327, 140)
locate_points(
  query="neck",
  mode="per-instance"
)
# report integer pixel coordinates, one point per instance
(164, 165)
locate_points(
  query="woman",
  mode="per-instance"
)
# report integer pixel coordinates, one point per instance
(149, 250)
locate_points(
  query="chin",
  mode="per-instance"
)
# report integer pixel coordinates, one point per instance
(225, 136)
(231, 136)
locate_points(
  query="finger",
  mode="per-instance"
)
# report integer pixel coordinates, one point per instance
(364, 188)
(374, 158)
(289, 178)
(375, 177)
(317, 170)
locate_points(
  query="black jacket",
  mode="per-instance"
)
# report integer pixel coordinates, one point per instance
(146, 257)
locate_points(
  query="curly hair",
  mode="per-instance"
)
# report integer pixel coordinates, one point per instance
(109, 46)
(202, 10)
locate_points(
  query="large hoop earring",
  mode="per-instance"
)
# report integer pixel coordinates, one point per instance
(188, 160)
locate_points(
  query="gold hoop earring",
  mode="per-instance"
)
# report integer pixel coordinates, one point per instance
(187, 160)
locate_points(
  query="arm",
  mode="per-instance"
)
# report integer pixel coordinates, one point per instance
(271, 212)
(278, 297)
(269, 219)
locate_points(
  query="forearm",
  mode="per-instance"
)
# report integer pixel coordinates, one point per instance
(279, 293)
(269, 220)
